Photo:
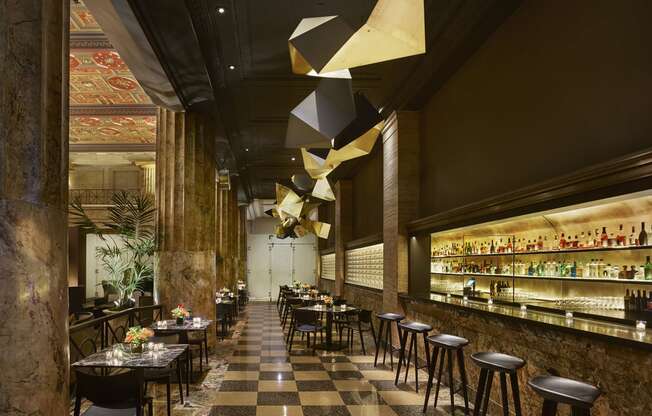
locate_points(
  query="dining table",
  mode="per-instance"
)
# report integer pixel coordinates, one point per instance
(119, 356)
(188, 326)
(330, 312)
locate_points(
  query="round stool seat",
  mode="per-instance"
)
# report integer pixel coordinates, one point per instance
(417, 327)
(496, 361)
(564, 390)
(389, 316)
(448, 341)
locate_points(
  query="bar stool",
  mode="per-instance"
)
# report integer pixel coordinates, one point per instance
(489, 363)
(451, 344)
(386, 320)
(554, 390)
(414, 328)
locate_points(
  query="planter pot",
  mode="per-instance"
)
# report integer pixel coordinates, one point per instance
(179, 321)
(112, 311)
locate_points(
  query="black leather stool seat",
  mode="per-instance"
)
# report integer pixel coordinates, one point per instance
(448, 341)
(417, 327)
(564, 390)
(496, 361)
(389, 316)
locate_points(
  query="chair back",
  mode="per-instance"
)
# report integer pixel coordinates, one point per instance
(166, 338)
(295, 302)
(223, 309)
(108, 390)
(364, 316)
(303, 317)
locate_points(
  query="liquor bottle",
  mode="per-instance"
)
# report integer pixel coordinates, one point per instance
(573, 270)
(620, 239)
(582, 241)
(649, 302)
(576, 242)
(589, 240)
(632, 237)
(580, 269)
(540, 243)
(492, 249)
(530, 270)
(642, 236)
(601, 268)
(545, 243)
(596, 238)
(632, 272)
(509, 247)
(623, 273)
(628, 301)
(648, 269)
(638, 300)
(604, 237)
(562, 242)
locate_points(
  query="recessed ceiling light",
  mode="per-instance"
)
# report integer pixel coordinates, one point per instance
(221, 10)
(246, 149)
(231, 67)
(294, 158)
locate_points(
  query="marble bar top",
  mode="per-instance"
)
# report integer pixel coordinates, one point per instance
(171, 325)
(611, 332)
(161, 359)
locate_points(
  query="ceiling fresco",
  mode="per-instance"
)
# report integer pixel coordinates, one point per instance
(100, 77)
(81, 20)
(101, 129)
(106, 101)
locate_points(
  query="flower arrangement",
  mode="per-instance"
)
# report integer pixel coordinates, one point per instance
(328, 300)
(296, 284)
(180, 313)
(305, 286)
(137, 336)
(225, 290)
(314, 293)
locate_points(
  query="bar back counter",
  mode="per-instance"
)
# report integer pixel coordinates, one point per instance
(558, 275)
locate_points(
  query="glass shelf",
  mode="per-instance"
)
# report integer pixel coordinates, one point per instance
(567, 279)
(541, 252)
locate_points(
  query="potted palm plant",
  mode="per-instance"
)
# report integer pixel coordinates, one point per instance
(127, 255)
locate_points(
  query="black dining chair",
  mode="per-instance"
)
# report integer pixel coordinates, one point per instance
(112, 395)
(305, 322)
(223, 320)
(359, 321)
(164, 375)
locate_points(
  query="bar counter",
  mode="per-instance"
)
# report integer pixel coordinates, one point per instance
(607, 331)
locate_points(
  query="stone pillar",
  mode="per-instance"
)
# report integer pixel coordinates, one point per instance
(242, 242)
(148, 182)
(185, 169)
(400, 200)
(343, 229)
(33, 207)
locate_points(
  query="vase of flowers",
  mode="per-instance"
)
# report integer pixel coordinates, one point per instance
(180, 313)
(137, 336)
(328, 301)
(296, 284)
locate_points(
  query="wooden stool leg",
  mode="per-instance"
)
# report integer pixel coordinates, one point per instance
(409, 357)
(515, 393)
(431, 375)
(379, 341)
(451, 380)
(549, 408)
(480, 392)
(487, 393)
(462, 370)
(503, 393)
(391, 346)
(441, 369)
(401, 356)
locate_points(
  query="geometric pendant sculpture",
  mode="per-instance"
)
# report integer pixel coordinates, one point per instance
(395, 29)
(322, 115)
(366, 117)
(322, 190)
(316, 166)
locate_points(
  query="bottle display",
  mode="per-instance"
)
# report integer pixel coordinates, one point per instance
(575, 260)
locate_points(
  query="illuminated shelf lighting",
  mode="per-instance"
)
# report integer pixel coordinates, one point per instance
(530, 253)
(571, 279)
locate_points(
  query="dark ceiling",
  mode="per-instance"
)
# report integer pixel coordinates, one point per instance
(254, 99)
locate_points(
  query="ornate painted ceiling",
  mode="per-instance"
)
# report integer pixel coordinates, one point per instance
(101, 129)
(107, 105)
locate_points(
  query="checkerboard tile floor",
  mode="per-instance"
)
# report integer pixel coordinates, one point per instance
(263, 379)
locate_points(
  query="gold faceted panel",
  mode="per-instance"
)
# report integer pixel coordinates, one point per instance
(395, 29)
(322, 190)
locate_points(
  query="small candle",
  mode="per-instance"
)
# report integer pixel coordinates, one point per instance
(490, 301)
(448, 295)
(641, 325)
(196, 320)
(523, 309)
(569, 315)
(465, 299)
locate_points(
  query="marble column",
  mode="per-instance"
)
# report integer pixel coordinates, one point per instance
(185, 182)
(33, 207)
(343, 229)
(400, 200)
(148, 179)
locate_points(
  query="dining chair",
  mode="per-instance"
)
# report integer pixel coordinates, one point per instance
(164, 375)
(112, 395)
(360, 321)
(305, 322)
